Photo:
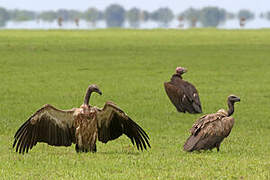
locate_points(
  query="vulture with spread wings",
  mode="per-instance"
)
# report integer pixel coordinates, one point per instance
(82, 126)
(183, 94)
(209, 131)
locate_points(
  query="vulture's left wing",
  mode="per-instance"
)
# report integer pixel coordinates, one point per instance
(49, 125)
(175, 94)
(207, 119)
(113, 122)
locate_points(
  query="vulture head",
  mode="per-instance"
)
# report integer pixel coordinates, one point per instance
(231, 100)
(90, 89)
(180, 70)
(94, 88)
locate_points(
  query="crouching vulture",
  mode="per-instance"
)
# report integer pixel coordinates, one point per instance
(183, 94)
(81, 126)
(209, 130)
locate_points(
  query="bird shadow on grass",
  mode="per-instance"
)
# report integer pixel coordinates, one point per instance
(119, 153)
(203, 152)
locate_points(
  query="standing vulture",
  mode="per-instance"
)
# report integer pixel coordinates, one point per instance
(82, 126)
(183, 94)
(209, 130)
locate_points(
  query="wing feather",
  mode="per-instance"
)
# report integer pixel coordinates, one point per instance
(113, 122)
(34, 136)
(206, 119)
(183, 95)
(207, 131)
(192, 97)
(49, 125)
(175, 95)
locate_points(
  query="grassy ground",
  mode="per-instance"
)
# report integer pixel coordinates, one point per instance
(130, 66)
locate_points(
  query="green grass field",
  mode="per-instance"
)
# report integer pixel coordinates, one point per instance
(130, 66)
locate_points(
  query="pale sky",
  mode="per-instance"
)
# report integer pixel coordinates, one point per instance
(177, 6)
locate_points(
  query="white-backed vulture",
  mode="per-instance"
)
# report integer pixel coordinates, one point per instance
(183, 95)
(209, 130)
(81, 126)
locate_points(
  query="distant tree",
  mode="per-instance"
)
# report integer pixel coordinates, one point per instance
(77, 22)
(194, 22)
(133, 17)
(145, 15)
(2, 23)
(230, 15)
(245, 14)
(60, 21)
(74, 14)
(101, 15)
(114, 15)
(163, 15)
(191, 15)
(48, 16)
(4, 16)
(242, 22)
(181, 21)
(63, 14)
(92, 15)
(22, 15)
(212, 16)
(262, 15)
(267, 15)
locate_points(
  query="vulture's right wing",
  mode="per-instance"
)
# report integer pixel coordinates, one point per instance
(49, 125)
(192, 100)
(113, 122)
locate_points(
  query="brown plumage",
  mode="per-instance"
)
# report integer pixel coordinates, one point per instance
(82, 126)
(209, 130)
(183, 94)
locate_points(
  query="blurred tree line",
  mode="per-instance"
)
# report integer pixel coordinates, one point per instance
(115, 16)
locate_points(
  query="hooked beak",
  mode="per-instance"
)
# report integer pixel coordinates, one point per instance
(99, 92)
(237, 100)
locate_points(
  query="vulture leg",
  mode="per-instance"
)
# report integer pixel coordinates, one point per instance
(77, 148)
(217, 146)
(94, 149)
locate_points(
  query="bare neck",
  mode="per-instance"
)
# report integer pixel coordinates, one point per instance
(231, 108)
(177, 75)
(87, 96)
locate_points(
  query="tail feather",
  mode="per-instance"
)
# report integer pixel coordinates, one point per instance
(191, 143)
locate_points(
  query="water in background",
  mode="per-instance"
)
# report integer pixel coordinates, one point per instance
(229, 24)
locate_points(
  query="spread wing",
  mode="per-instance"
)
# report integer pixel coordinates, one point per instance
(206, 132)
(113, 122)
(49, 125)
